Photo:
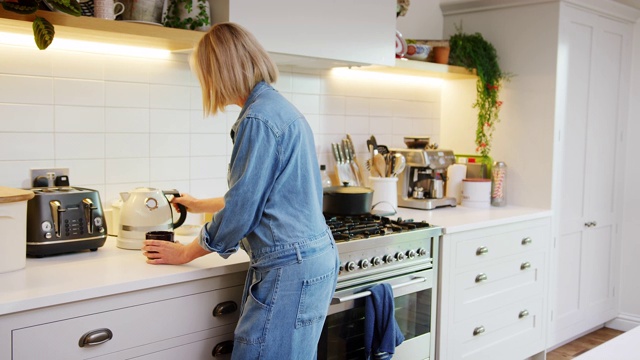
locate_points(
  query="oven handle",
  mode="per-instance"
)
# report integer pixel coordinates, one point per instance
(338, 300)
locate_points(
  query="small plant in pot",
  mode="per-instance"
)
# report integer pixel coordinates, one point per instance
(43, 30)
(472, 51)
(187, 14)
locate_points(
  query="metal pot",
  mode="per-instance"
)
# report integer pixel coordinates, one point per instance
(347, 200)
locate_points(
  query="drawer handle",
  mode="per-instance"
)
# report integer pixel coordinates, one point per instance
(223, 348)
(525, 265)
(225, 308)
(527, 241)
(477, 331)
(481, 277)
(523, 314)
(482, 250)
(95, 337)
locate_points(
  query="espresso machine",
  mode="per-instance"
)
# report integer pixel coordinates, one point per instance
(421, 185)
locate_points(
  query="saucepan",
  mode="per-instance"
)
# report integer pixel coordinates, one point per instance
(347, 200)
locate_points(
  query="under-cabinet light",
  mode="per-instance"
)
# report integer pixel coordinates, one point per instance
(85, 46)
(357, 73)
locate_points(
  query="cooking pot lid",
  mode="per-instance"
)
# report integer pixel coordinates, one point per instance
(347, 190)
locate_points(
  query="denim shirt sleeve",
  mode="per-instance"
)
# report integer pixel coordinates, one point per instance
(252, 171)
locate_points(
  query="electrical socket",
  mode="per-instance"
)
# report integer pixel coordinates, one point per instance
(43, 172)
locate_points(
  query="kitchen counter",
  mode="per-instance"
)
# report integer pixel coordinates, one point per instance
(110, 270)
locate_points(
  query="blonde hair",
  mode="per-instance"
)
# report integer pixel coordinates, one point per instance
(229, 62)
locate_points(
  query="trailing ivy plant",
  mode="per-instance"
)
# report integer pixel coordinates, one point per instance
(43, 30)
(472, 51)
(177, 15)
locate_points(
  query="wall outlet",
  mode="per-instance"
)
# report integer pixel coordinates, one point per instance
(35, 173)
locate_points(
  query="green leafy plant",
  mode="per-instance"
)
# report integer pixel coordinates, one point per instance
(472, 51)
(43, 30)
(176, 17)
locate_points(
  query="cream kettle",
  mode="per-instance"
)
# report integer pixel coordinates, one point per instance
(143, 210)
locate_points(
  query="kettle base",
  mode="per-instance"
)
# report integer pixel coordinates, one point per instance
(129, 244)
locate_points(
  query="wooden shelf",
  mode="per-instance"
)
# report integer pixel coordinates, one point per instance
(423, 68)
(100, 30)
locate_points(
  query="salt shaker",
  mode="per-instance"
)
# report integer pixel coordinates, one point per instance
(499, 184)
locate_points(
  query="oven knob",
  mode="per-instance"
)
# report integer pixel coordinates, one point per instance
(388, 259)
(399, 256)
(411, 254)
(364, 264)
(422, 251)
(350, 266)
(376, 261)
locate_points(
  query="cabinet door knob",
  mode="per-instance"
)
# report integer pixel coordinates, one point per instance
(481, 277)
(223, 348)
(95, 337)
(477, 331)
(225, 308)
(523, 314)
(526, 241)
(482, 250)
(525, 265)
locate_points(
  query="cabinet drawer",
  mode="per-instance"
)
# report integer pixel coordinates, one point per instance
(131, 327)
(482, 249)
(490, 286)
(512, 332)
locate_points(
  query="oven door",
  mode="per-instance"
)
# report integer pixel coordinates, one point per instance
(343, 332)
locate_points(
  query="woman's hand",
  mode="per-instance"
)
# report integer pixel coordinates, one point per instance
(171, 253)
(195, 205)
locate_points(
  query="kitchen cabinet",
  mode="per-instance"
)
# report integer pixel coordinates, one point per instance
(595, 50)
(190, 319)
(493, 287)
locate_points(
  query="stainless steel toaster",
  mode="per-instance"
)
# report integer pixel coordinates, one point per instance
(64, 219)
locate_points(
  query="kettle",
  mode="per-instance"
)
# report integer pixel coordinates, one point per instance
(143, 210)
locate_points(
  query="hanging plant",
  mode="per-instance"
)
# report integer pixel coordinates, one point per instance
(43, 30)
(187, 14)
(473, 52)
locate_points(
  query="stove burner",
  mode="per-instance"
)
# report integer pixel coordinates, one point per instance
(348, 228)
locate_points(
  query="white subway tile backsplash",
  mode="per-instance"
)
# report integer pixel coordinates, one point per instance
(19, 60)
(90, 171)
(26, 146)
(357, 124)
(307, 104)
(208, 167)
(332, 124)
(195, 94)
(357, 106)
(79, 146)
(333, 105)
(17, 173)
(26, 118)
(127, 120)
(169, 145)
(127, 69)
(126, 145)
(78, 65)
(169, 97)
(283, 84)
(305, 84)
(170, 73)
(216, 124)
(207, 188)
(134, 171)
(209, 144)
(169, 121)
(165, 169)
(78, 92)
(131, 95)
(381, 107)
(26, 89)
(79, 119)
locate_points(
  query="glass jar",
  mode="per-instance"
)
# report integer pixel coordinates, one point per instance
(499, 184)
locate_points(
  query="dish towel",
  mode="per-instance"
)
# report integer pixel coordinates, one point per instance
(381, 331)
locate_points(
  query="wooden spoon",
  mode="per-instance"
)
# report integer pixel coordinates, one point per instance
(379, 164)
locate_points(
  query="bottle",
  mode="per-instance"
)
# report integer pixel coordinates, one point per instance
(499, 184)
(326, 180)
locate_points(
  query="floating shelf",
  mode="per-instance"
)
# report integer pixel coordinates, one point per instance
(423, 68)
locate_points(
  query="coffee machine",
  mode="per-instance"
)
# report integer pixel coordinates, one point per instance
(421, 185)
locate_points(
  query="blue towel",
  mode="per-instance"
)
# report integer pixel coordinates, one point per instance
(381, 331)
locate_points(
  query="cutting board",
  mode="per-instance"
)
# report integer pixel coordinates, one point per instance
(9, 195)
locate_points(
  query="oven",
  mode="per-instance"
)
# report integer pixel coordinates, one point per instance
(400, 253)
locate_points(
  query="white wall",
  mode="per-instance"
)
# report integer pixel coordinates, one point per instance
(630, 266)
(121, 122)
(524, 136)
(423, 21)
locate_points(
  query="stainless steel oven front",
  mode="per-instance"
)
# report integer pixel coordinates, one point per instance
(408, 266)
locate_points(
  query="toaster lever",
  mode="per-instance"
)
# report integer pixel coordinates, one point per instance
(56, 209)
(87, 205)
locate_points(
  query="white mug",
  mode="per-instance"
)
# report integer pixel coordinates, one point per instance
(106, 9)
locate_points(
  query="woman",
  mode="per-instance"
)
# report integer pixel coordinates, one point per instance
(273, 208)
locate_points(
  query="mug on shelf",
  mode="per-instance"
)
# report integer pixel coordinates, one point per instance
(107, 9)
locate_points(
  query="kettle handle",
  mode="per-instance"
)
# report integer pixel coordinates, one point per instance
(183, 209)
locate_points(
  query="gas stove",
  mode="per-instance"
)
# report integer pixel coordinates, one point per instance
(371, 245)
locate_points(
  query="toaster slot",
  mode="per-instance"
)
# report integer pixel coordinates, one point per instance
(88, 207)
(56, 209)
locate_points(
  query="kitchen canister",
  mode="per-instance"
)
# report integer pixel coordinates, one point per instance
(13, 227)
(385, 195)
(498, 184)
(455, 174)
(476, 193)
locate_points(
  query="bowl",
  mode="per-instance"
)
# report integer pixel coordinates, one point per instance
(417, 142)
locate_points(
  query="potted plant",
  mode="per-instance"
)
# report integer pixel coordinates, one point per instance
(182, 14)
(43, 30)
(472, 51)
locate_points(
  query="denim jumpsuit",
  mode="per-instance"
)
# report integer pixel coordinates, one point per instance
(273, 210)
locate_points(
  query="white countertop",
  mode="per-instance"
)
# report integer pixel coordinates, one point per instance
(80, 276)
